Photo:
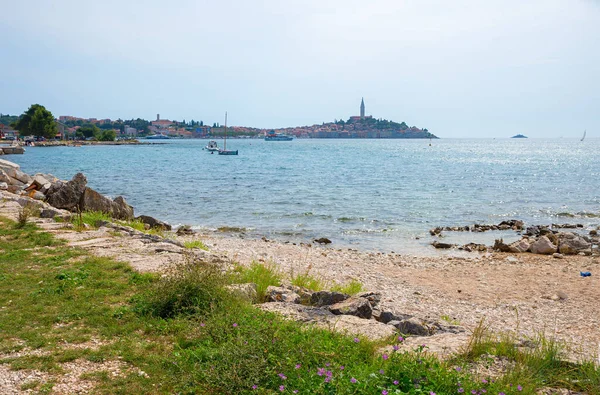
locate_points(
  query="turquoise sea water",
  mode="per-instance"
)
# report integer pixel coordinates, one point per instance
(369, 194)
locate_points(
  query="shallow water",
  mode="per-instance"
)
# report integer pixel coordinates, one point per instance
(369, 194)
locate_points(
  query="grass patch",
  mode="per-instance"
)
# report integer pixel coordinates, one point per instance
(262, 274)
(89, 218)
(351, 288)
(195, 244)
(307, 280)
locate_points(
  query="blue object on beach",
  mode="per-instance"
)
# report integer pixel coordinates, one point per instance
(585, 274)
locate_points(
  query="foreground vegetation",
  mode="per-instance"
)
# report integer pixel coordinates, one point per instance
(185, 334)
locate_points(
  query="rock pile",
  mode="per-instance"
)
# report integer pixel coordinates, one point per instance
(513, 224)
(55, 197)
(551, 242)
(358, 314)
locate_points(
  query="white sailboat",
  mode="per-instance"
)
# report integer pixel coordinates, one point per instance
(224, 151)
(583, 135)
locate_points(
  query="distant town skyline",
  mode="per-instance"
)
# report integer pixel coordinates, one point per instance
(460, 69)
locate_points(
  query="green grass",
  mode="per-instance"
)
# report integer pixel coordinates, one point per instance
(351, 288)
(89, 218)
(262, 274)
(189, 336)
(195, 244)
(307, 280)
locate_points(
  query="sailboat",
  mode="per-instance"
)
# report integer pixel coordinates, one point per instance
(224, 151)
(583, 135)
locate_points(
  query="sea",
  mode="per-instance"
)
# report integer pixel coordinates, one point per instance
(373, 195)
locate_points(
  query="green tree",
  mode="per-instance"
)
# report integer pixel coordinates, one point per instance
(108, 135)
(90, 130)
(37, 121)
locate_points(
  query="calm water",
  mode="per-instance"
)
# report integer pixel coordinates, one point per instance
(370, 194)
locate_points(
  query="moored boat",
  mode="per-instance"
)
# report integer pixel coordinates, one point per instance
(272, 136)
(158, 137)
(212, 146)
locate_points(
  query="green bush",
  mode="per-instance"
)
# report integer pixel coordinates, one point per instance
(191, 289)
(351, 288)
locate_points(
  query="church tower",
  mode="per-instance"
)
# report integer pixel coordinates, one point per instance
(362, 108)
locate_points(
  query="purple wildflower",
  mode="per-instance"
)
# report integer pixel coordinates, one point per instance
(298, 366)
(327, 379)
(484, 381)
(461, 390)
(283, 376)
(431, 393)
(295, 391)
(384, 392)
(356, 340)
(396, 382)
(327, 364)
(474, 392)
(519, 388)
(281, 388)
(202, 324)
(321, 371)
(501, 393)
(400, 339)
(353, 380)
(342, 367)
(458, 369)
(328, 373)
(254, 386)
(395, 347)
(381, 371)
(385, 357)
(235, 325)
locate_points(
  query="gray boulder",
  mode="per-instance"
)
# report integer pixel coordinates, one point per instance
(4, 165)
(67, 195)
(572, 244)
(544, 246)
(3, 186)
(373, 297)
(153, 222)
(519, 246)
(281, 294)
(359, 307)
(326, 298)
(121, 209)
(411, 326)
(93, 201)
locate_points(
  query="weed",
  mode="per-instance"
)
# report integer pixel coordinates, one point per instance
(262, 274)
(351, 288)
(195, 244)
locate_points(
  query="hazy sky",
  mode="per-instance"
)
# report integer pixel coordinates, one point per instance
(481, 68)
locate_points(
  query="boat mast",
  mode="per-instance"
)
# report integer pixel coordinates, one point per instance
(225, 134)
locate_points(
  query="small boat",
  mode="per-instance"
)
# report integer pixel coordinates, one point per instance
(272, 136)
(583, 135)
(224, 151)
(519, 136)
(212, 146)
(159, 136)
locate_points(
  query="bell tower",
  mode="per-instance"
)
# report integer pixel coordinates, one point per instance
(362, 108)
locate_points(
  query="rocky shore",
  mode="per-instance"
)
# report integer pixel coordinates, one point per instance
(436, 299)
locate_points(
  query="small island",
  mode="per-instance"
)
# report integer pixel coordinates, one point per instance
(519, 136)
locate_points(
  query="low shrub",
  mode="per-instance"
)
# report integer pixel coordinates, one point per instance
(351, 288)
(262, 274)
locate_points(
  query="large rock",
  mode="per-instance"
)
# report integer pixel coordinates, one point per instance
(19, 175)
(373, 297)
(93, 201)
(4, 164)
(544, 246)
(520, 246)
(153, 222)
(572, 244)
(281, 294)
(411, 326)
(67, 195)
(121, 209)
(3, 186)
(359, 307)
(326, 298)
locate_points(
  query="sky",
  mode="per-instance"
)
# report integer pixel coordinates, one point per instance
(466, 68)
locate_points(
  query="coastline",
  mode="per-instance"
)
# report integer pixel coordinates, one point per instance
(523, 293)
